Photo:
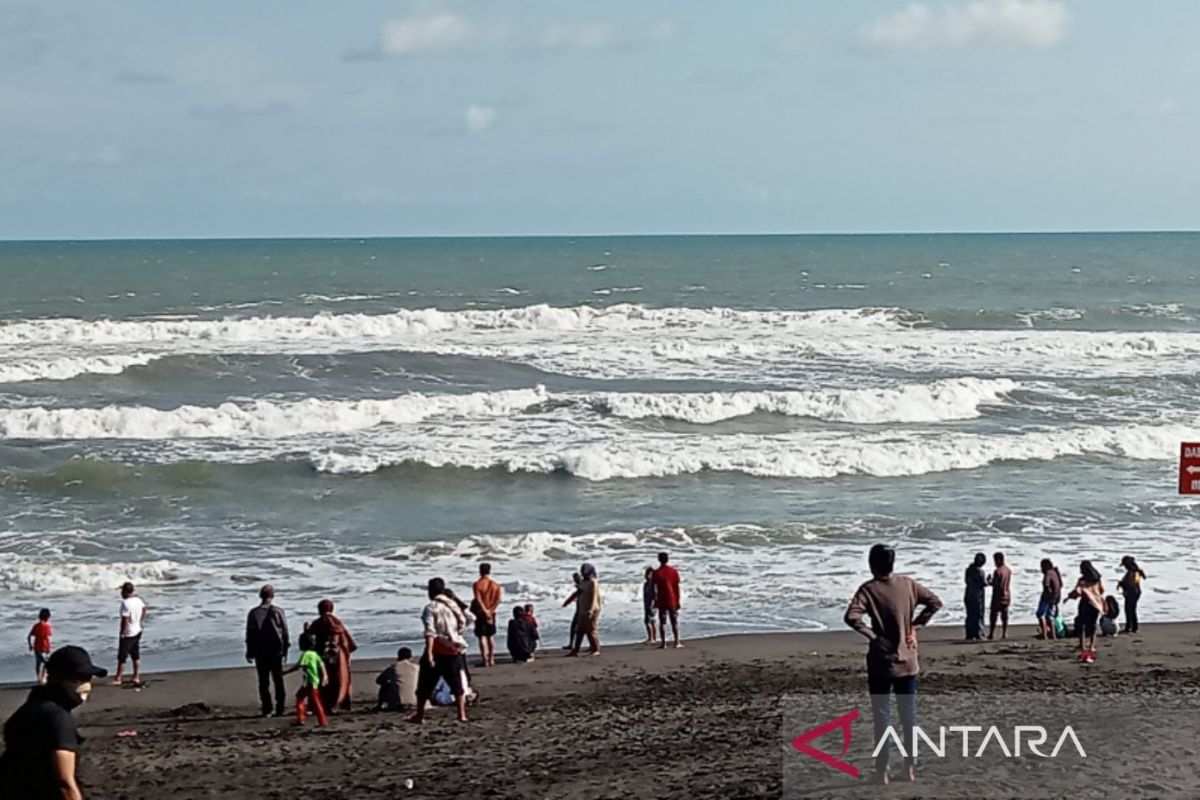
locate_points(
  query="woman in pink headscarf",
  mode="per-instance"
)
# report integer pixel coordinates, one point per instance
(334, 645)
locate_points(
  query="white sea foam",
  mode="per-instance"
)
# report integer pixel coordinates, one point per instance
(61, 369)
(944, 400)
(19, 573)
(260, 419)
(793, 455)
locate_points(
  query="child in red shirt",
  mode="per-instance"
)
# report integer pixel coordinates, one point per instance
(39, 643)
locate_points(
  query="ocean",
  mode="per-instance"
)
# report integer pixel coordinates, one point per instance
(348, 418)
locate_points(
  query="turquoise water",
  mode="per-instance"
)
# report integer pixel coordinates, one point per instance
(347, 418)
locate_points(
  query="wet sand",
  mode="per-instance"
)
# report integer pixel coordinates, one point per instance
(702, 722)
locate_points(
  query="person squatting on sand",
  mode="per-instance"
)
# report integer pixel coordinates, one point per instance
(1001, 582)
(398, 683)
(1090, 593)
(335, 646)
(313, 678)
(266, 647)
(521, 639)
(486, 603)
(890, 601)
(648, 607)
(577, 579)
(41, 744)
(39, 643)
(1047, 610)
(444, 657)
(129, 641)
(1131, 586)
(533, 623)
(587, 612)
(974, 597)
(666, 599)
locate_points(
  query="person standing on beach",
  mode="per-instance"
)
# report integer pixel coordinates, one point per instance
(890, 601)
(39, 643)
(485, 605)
(1090, 593)
(41, 744)
(266, 647)
(445, 649)
(974, 597)
(1131, 586)
(577, 579)
(666, 600)
(648, 606)
(129, 642)
(1047, 610)
(335, 646)
(1001, 581)
(587, 612)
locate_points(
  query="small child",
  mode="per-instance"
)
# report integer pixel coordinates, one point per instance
(648, 607)
(397, 680)
(313, 677)
(533, 623)
(39, 643)
(1108, 620)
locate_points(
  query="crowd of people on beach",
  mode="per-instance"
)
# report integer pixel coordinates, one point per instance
(42, 731)
(1097, 612)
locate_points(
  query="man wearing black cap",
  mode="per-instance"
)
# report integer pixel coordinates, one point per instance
(40, 740)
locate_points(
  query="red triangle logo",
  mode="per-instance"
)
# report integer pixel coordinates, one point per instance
(842, 723)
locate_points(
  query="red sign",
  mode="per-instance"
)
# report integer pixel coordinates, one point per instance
(1189, 468)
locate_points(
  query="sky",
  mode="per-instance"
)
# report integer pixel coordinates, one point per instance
(298, 118)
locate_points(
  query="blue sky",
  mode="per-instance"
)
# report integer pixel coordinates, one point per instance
(544, 117)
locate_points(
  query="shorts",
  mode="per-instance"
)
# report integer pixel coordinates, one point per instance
(1047, 610)
(39, 661)
(669, 613)
(484, 628)
(129, 647)
(1089, 615)
(649, 616)
(446, 667)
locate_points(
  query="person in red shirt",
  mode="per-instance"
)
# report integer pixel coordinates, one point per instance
(666, 599)
(39, 643)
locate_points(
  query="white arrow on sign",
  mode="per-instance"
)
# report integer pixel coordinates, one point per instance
(1192, 470)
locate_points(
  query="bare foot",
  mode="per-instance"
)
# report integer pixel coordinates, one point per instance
(882, 778)
(116, 682)
(910, 774)
(594, 653)
(414, 719)
(679, 645)
(463, 720)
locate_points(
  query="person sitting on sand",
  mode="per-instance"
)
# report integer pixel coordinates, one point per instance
(587, 612)
(1131, 586)
(398, 683)
(533, 623)
(1001, 582)
(1047, 610)
(666, 600)
(445, 648)
(890, 601)
(974, 596)
(577, 579)
(335, 645)
(39, 643)
(1090, 593)
(521, 643)
(313, 677)
(485, 605)
(1108, 620)
(648, 606)
(129, 644)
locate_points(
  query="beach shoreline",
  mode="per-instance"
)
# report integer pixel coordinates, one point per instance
(704, 721)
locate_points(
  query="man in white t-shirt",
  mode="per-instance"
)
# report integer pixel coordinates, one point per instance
(133, 616)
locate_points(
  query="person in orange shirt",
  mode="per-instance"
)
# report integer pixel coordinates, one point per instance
(39, 643)
(484, 607)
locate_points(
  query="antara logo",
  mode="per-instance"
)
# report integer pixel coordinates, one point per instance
(1033, 737)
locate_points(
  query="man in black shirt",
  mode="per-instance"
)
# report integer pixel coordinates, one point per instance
(267, 646)
(40, 740)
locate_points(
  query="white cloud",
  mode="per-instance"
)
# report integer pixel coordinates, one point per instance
(479, 118)
(580, 36)
(422, 33)
(1021, 23)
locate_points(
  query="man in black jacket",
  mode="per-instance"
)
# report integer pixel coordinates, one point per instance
(267, 646)
(41, 744)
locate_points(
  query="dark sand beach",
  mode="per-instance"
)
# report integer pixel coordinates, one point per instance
(703, 722)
